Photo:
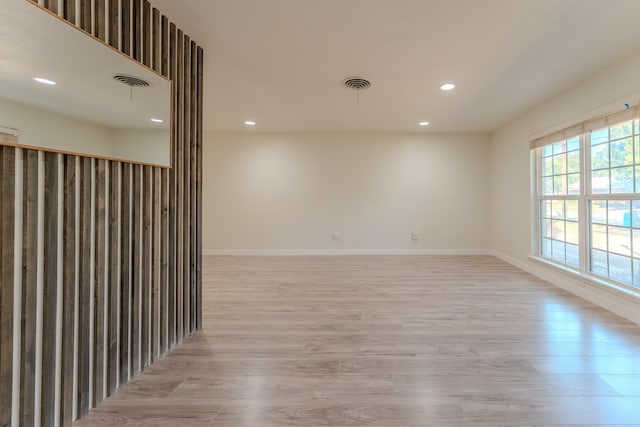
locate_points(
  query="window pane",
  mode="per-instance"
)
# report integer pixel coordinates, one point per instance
(558, 251)
(559, 148)
(545, 228)
(573, 184)
(573, 144)
(622, 180)
(620, 240)
(560, 185)
(600, 156)
(557, 209)
(545, 209)
(599, 136)
(547, 186)
(573, 162)
(622, 152)
(545, 248)
(636, 273)
(573, 255)
(600, 181)
(619, 213)
(559, 164)
(621, 130)
(572, 232)
(620, 268)
(636, 243)
(547, 166)
(637, 179)
(599, 262)
(548, 151)
(557, 229)
(599, 237)
(572, 209)
(635, 214)
(599, 211)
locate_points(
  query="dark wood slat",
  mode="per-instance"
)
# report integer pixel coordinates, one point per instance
(7, 236)
(164, 262)
(51, 5)
(136, 30)
(99, 19)
(50, 286)
(113, 28)
(193, 231)
(155, 266)
(199, 97)
(125, 27)
(85, 15)
(166, 46)
(69, 289)
(156, 41)
(173, 192)
(29, 273)
(186, 198)
(69, 10)
(136, 270)
(114, 278)
(179, 169)
(84, 289)
(146, 253)
(146, 33)
(100, 269)
(125, 274)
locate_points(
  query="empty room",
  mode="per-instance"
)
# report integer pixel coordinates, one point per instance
(319, 213)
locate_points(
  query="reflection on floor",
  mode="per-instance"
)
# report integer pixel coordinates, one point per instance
(387, 341)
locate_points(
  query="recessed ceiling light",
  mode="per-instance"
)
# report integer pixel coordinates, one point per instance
(424, 123)
(44, 81)
(250, 123)
(157, 120)
(448, 86)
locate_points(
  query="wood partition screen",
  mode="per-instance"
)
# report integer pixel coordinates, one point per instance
(100, 260)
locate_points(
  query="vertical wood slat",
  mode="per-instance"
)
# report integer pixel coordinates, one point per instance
(173, 192)
(166, 48)
(125, 274)
(136, 270)
(136, 29)
(85, 15)
(145, 262)
(50, 286)
(155, 266)
(68, 298)
(179, 170)
(146, 33)
(99, 17)
(100, 270)
(193, 188)
(125, 26)
(113, 27)
(114, 278)
(7, 236)
(29, 273)
(199, 125)
(51, 5)
(69, 10)
(84, 270)
(156, 41)
(186, 182)
(164, 263)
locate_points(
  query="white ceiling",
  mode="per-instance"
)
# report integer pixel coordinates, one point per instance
(282, 62)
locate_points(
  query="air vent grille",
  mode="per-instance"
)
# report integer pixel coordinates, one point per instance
(357, 83)
(131, 80)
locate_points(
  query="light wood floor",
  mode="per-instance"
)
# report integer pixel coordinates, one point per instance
(387, 341)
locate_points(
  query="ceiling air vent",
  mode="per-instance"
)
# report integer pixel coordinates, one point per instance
(357, 83)
(131, 80)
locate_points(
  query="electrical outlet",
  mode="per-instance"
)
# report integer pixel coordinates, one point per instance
(414, 237)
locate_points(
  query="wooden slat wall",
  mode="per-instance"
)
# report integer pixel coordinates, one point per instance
(110, 252)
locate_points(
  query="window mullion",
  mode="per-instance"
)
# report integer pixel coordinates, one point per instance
(583, 204)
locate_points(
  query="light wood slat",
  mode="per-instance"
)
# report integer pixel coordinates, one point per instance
(199, 97)
(146, 33)
(136, 270)
(68, 297)
(113, 28)
(136, 30)
(125, 274)
(146, 254)
(51, 5)
(193, 173)
(155, 265)
(179, 170)
(99, 19)
(50, 286)
(186, 198)
(164, 262)
(69, 10)
(7, 237)
(29, 274)
(84, 297)
(125, 26)
(114, 277)
(100, 269)
(173, 192)
(85, 15)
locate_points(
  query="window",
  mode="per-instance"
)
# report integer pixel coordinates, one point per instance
(588, 198)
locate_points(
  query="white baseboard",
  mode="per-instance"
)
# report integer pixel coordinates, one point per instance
(338, 252)
(618, 302)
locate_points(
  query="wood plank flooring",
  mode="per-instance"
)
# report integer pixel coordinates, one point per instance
(387, 341)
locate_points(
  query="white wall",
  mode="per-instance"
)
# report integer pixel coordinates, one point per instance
(288, 193)
(606, 91)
